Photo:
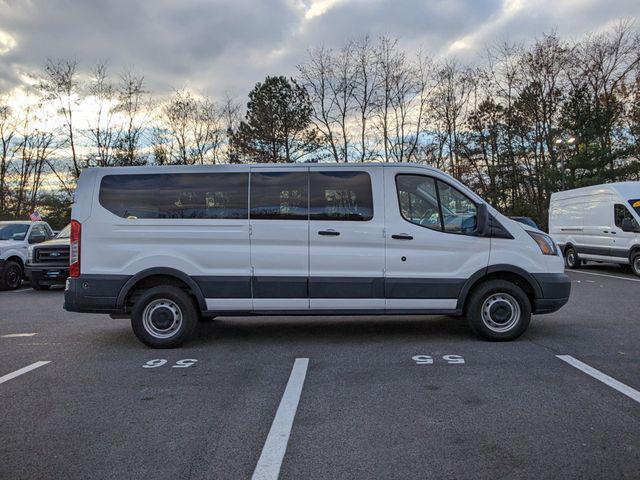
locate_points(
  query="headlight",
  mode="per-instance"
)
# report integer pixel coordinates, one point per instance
(545, 242)
(30, 253)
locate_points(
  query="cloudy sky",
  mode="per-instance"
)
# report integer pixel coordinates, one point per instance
(225, 46)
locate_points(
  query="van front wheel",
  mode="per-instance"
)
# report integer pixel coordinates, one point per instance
(164, 317)
(498, 310)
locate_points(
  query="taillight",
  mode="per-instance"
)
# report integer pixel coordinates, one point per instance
(74, 249)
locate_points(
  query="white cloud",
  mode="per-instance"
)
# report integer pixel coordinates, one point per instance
(229, 45)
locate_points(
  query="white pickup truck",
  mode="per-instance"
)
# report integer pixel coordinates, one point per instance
(15, 238)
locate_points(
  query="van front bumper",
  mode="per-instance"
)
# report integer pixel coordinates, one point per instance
(555, 290)
(93, 293)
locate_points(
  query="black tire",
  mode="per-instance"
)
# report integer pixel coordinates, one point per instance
(507, 310)
(39, 286)
(173, 321)
(635, 263)
(11, 275)
(571, 258)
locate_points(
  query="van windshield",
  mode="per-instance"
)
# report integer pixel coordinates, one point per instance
(635, 204)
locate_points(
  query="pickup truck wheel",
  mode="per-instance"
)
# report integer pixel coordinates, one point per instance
(39, 286)
(571, 258)
(164, 317)
(11, 275)
(635, 264)
(498, 310)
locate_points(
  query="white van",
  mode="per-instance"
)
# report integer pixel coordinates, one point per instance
(167, 245)
(599, 223)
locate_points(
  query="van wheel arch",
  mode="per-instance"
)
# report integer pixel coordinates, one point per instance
(509, 273)
(154, 277)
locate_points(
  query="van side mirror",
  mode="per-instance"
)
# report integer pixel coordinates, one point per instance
(629, 225)
(482, 220)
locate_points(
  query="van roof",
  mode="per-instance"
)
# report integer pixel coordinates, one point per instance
(626, 190)
(248, 166)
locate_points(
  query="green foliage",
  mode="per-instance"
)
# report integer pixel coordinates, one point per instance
(277, 123)
(55, 209)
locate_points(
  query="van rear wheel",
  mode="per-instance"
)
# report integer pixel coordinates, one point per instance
(571, 258)
(164, 317)
(498, 310)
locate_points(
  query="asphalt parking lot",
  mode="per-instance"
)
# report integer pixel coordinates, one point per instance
(385, 397)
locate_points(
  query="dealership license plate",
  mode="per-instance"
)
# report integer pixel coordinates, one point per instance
(53, 273)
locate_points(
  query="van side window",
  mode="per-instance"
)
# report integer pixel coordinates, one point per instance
(279, 196)
(435, 204)
(345, 195)
(176, 195)
(418, 199)
(459, 213)
(621, 213)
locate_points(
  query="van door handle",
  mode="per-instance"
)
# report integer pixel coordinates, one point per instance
(329, 233)
(613, 233)
(402, 236)
(605, 231)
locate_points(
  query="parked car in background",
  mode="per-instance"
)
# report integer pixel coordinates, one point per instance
(15, 238)
(48, 262)
(599, 223)
(526, 221)
(166, 245)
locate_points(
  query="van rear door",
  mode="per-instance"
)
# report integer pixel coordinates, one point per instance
(346, 238)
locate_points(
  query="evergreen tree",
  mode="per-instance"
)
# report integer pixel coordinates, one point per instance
(277, 126)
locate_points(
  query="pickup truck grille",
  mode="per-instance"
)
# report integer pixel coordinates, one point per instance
(52, 255)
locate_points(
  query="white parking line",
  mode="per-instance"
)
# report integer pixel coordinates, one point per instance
(18, 291)
(598, 375)
(605, 275)
(15, 335)
(26, 369)
(270, 461)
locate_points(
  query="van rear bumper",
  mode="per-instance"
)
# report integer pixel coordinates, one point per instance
(555, 289)
(93, 293)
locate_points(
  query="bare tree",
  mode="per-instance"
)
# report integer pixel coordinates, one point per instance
(450, 103)
(364, 93)
(317, 75)
(102, 132)
(60, 85)
(7, 133)
(133, 105)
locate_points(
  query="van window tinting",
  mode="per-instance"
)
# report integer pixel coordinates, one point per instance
(176, 195)
(279, 196)
(341, 196)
